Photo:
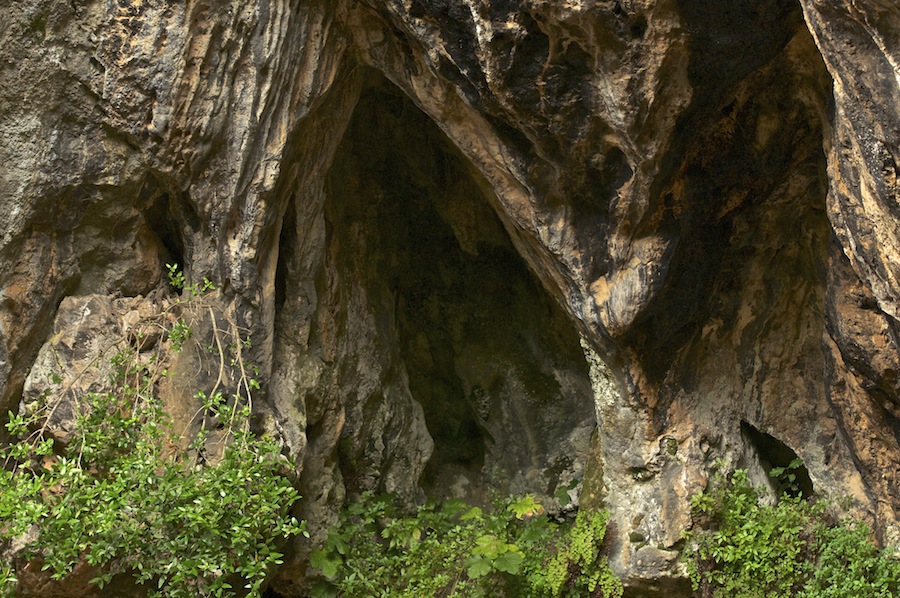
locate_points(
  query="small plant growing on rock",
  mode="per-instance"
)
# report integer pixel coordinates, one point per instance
(786, 477)
(123, 499)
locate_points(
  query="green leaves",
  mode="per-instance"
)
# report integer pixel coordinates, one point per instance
(478, 567)
(793, 548)
(577, 567)
(457, 550)
(176, 276)
(16, 425)
(509, 562)
(119, 498)
(325, 562)
(178, 281)
(187, 529)
(525, 507)
(492, 553)
(787, 477)
(178, 334)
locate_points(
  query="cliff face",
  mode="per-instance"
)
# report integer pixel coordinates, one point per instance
(581, 249)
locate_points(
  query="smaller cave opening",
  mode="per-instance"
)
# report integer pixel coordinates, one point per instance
(172, 221)
(637, 26)
(160, 219)
(775, 456)
(286, 249)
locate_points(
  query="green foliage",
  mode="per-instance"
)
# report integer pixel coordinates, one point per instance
(178, 281)
(794, 548)
(176, 276)
(787, 477)
(453, 549)
(122, 498)
(178, 333)
(7, 577)
(572, 568)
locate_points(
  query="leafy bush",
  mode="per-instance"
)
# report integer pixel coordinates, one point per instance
(121, 498)
(453, 549)
(794, 548)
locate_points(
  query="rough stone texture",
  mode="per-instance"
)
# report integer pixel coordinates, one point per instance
(861, 48)
(89, 330)
(705, 192)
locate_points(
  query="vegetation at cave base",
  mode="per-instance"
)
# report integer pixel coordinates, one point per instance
(121, 499)
(795, 548)
(453, 549)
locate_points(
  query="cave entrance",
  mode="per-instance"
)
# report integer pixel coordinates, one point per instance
(786, 471)
(494, 362)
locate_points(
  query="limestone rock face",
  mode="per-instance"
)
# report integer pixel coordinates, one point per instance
(467, 237)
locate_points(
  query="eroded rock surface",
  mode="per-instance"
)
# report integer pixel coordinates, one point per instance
(423, 210)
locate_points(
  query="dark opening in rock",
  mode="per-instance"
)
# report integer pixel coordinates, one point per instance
(286, 244)
(171, 219)
(160, 221)
(776, 455)
(494, 362)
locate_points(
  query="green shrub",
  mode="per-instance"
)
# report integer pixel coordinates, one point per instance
(453, 549)
(794, 548)
(120, 497)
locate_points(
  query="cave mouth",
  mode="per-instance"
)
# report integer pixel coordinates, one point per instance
(776, 455)
(492, 359)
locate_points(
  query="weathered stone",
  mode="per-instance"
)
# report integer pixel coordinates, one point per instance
(76, 360)
(704, 192)
(96, 339)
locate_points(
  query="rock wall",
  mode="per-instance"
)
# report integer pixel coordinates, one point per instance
(424, 210)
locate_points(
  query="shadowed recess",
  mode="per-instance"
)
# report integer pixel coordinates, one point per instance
(491, 358)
